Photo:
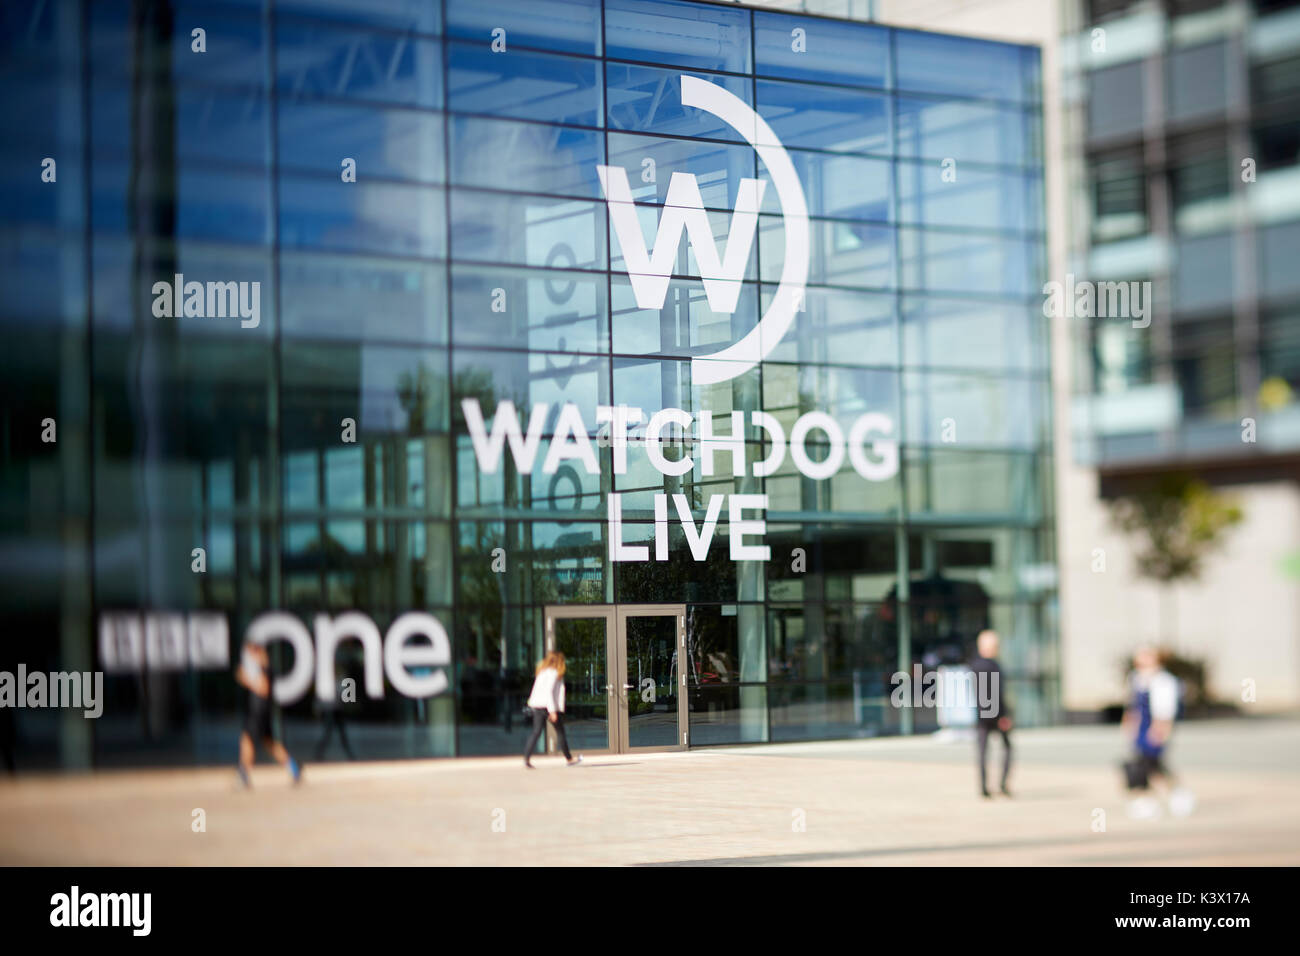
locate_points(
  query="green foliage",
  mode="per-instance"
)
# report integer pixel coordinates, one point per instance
(1179, 520)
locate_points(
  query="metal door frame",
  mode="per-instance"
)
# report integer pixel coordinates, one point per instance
(626, 611)
(616, 617)
(582, 612)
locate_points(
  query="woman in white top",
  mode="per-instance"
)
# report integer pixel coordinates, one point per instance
(547, 699)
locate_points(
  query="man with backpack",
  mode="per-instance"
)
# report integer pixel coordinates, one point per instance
(1154, 696)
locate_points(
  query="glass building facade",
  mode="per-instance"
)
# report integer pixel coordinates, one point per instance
(413, 187)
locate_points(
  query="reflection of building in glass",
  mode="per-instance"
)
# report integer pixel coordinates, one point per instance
(1185, 118)
(472, 258)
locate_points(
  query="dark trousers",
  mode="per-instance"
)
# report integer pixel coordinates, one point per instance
(539, 725)
(984, 729)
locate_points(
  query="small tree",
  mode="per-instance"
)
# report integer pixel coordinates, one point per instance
(1179, 521)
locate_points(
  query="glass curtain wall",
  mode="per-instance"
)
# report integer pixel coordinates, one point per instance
(413, 187)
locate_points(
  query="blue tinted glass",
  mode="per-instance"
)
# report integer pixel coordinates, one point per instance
(976, 199)
(363, 217)
(386, 143)
(718, 168)
(530, 378)
(941, 332)
(235, 45)
(536, 86)
(991, 411)
(26, 199)
(817, 117)
(329, 61)
(684, 34)
(839, 186)
(840, 327)
(962, 262)
(960, 66)
(373, 384)
(527, 230)
(44, 111)
(826, 51)
(43, 275)
(683, 325)
(525, 157)
(34, 36)
(551, 310)
(357, 297)
(643, 99)
(215, 126)
(226, 205)
(842, 253)
(419, 16)
(570, 26)
(236, 50)
(977, 132)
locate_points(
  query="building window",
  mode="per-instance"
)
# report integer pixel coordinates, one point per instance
(1119, 197)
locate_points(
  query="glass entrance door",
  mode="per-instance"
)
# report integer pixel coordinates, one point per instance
(585, 636)
(652, 692)
(624, 686)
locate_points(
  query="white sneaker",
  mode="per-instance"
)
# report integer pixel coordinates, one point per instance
(1143, 808)
(1182, 802)
(575, 761)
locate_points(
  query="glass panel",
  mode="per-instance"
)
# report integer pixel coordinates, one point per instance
(684, 34)
(363, 217)
(325, 61)
(967, 263)
(1115, 100)
(843, 253)
(386, 143)
(525, 157)
(976, 199)
(959, 66)
(1199, 83)
(974, 132)
(818, 117)
(646, 100)
(418, 16)
(825, 51)
(652, 672)
(959, 333)
(586, 714)
(536, 86)
(837, 186)
(569, 25)
(527, 230)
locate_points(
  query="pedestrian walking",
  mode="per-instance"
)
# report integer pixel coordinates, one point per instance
(255, 674)
(1148, 724)
(547, 703)
(992, 714)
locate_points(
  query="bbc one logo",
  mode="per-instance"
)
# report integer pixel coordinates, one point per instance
(412, 654)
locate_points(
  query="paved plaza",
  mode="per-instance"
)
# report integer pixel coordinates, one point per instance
(900, 801)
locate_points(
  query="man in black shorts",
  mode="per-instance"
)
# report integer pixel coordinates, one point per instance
(255, 674)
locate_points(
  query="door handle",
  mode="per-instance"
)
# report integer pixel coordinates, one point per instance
(629, 686)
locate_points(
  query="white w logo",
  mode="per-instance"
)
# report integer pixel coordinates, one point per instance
(684, 208)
